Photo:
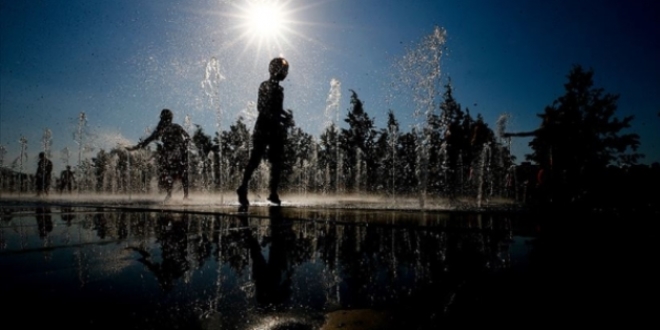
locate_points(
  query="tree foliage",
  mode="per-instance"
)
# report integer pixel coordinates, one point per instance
(358, 144)
(580, 136)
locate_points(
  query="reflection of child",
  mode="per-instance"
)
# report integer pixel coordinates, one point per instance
(269, 132)
(174, 161)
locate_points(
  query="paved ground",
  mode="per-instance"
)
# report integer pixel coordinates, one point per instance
(227, 203)
(120, 271)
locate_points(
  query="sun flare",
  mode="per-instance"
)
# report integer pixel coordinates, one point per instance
(265, 19)
(265, 22)
(272, 27)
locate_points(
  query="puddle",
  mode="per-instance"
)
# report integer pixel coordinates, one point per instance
(289, 268)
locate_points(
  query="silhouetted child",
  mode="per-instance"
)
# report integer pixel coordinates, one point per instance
(44, 171)
(66, 180)
(270, 132)
(174, 160)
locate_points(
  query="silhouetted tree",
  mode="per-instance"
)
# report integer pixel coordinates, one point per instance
(101, 162)
(433, 133)
(298, 152)
(579, 137)
(204, 146)
(134, 171)
(235, 144)
(359, 144)
(408, 160)
(387, 154)
(456, 138)
(327, 157)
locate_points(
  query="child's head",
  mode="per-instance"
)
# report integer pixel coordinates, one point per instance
(278, 68)
(166, 115)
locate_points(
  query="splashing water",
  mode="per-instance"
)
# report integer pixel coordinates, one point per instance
(47, 142)
(332, 103)
(482, 173)
(3, 152)
(65, 154)
(500, 124)
(420, 72)
(187, 123)
(79, 138)
(23, 141)
(393, 136)
(332, 118)
(211, 87)
(250, 113)
(504, 152)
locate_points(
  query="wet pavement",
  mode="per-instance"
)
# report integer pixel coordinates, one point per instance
(138, 264)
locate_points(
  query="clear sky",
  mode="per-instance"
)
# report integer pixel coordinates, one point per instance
(123, 61)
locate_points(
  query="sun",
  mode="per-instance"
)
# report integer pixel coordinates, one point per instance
(265, 19)
(272, 27)
(266, 23)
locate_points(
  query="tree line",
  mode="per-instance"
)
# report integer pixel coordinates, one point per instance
(462, 152)
(581, 154)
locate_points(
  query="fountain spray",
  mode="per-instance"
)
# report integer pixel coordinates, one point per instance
(332, 118)
(79, 139)
(420, 71)
(393, 137)
(23, 141)
(211, 87)
(3, 152)
(46, 143)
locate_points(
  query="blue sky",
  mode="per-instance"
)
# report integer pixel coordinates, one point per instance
(123, 61)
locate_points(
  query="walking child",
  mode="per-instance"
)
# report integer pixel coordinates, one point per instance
(270, 130)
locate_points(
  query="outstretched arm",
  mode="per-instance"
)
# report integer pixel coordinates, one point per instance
(143, 143)
(154, 135)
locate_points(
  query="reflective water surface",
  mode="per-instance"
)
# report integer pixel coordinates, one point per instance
(83, 267)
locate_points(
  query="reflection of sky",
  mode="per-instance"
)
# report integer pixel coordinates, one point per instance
(121, 62)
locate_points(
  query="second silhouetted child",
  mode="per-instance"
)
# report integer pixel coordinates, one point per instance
(173, 160)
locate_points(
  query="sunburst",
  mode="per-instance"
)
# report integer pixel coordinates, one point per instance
(266, 20)
(266, 24)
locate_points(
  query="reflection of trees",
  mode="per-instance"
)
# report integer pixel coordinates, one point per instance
(232, 251)
(362, 263)
(67, 215)
(358, 269)
(44, 221)
(171, 233)
(381, 264)
(326, 241)
(100, 223)
(200, 241)
(122, 225)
